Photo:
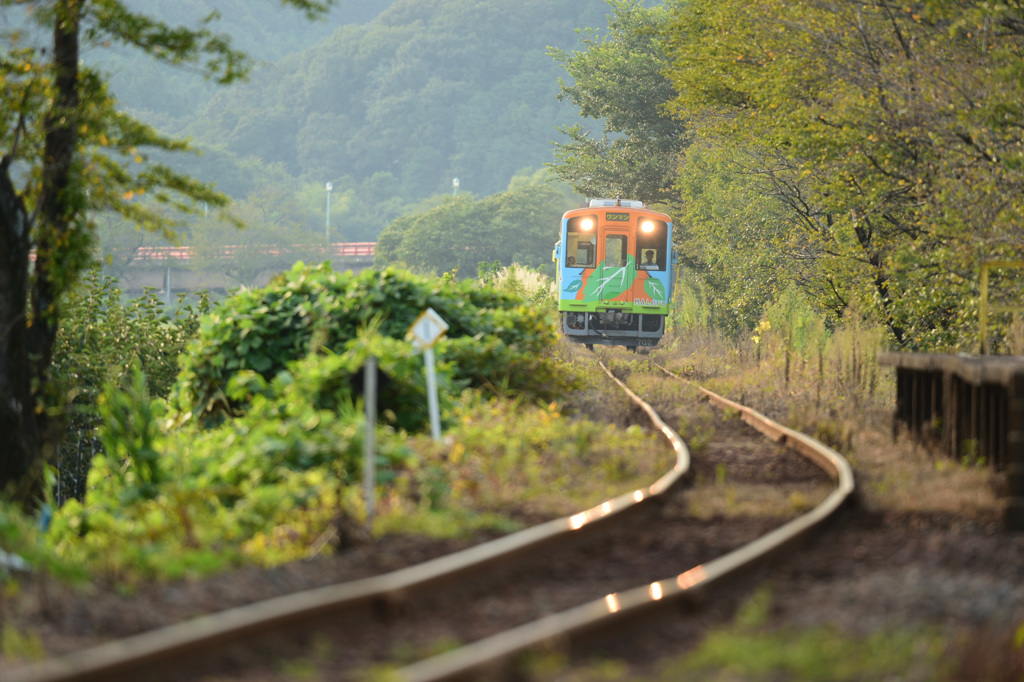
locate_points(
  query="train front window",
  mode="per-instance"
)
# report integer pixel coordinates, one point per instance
(650, 260)
(584, 257)
(581, 241)
(652, 245)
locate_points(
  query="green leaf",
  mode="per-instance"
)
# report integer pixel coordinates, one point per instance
(654, 288)
(605, 283)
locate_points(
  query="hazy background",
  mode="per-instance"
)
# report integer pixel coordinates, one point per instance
(389, 100)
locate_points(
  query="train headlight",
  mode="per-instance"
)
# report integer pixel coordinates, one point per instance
(647, 226)
(587, 224)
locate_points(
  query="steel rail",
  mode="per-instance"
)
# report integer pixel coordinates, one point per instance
(125, 658)
(494, 658)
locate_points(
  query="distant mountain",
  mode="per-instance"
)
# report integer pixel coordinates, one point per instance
(426, 91)
(263, 29)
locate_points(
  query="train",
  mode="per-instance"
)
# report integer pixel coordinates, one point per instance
(615, 271)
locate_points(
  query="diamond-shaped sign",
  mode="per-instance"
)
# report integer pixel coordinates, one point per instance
(427, 329)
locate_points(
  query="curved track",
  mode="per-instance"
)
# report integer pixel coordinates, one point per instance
(494, 656)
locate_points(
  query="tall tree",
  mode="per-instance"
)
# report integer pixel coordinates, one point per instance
(889, 136)
(618, 80)
(514, 226)
(65, 150)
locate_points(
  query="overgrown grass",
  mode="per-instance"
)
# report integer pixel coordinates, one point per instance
(600, 399)
(827, 383)
(793, 364)
(748, 650)
(700, 355)
(529, 284)
(502, 456)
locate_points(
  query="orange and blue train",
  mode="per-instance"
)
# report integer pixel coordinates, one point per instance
(616, 270)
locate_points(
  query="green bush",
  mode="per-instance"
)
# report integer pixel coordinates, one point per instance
(275, 459)
(264, 487)
(493, 339)
(101, 336)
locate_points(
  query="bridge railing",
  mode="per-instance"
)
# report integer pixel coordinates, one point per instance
(184, 253)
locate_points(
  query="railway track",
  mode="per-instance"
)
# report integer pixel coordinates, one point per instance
(580, 581)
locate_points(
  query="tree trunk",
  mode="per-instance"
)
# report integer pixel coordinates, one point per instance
(59, 209)
(27, 438)
(881, 282)
(19, 435)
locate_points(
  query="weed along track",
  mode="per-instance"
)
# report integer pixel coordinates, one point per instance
(624, 578)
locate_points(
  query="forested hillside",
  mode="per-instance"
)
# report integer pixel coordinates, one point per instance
(171, 97)
(428, 91)
(388, 100)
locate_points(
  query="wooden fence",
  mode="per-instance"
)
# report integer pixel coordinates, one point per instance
(969, 407)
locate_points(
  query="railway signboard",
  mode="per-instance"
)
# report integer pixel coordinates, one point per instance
(427, 329)
(424, 333)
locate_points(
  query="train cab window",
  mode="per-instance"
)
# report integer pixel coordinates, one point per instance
(650, 260)
(584, 256)
(652, 245)
(615, 251)
(581, 240)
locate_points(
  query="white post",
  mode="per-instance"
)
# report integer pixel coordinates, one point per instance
(435, 412)
(369, 442)
(327, 224)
